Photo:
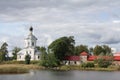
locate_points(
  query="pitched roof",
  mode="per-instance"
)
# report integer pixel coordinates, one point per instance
(84, 53)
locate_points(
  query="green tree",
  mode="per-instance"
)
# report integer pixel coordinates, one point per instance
(81, 48)
(27, 59)
(49, 61)
(91, 50)
(3, 52)
(97, 50)
(104, 61)
(43, 52)
(14, 52)
(62, 47)
(104, 49)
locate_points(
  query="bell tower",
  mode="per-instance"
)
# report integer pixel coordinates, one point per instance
(30, 47)
(31, 40)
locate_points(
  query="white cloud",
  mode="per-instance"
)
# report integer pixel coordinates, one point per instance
(52, 11)
(90, 21)
(116, 21)
(48, 39)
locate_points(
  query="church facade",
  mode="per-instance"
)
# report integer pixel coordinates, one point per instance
(30, 48)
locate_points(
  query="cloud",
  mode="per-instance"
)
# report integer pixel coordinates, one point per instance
(116, 21)
(48, 39)
(84, 33)
(91, 22)
(52, 11)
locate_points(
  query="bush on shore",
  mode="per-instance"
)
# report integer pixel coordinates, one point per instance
(88, 65)
(103, 63)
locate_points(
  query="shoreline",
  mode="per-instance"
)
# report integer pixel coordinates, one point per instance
(23, 68)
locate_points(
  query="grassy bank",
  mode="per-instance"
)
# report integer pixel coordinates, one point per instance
(17, 68)
(72, 67)
(14, 67)
(23, 68)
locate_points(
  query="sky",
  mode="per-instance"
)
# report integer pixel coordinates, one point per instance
(91, 22)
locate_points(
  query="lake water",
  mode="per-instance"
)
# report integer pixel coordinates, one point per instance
(63, 75)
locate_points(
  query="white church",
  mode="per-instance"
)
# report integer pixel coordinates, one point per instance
(30, 48)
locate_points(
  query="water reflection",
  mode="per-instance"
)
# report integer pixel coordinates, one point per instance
(63, 75)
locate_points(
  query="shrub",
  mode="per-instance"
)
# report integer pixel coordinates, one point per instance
(88, 65)
(103, 63)
(50, 61)
(27, 59)
(83, 65)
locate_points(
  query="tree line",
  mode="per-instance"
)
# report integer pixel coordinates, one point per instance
(65, 46)
(57, 50)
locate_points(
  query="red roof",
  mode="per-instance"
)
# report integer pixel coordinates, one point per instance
(116, 58)
(84, 53)
(72, 58)
(92, 58)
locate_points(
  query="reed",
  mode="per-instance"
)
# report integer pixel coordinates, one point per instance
(17, 68)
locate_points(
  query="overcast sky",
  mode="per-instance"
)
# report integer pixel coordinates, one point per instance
(91, 22)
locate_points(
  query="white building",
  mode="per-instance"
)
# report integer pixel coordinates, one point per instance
(30, 48)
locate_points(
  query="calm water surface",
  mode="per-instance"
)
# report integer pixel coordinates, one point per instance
(63, 75)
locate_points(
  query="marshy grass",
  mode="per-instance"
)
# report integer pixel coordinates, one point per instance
(17, 68)
(4, 69)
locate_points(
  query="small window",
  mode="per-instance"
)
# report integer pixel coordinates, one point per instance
(75, 62)
(69, 62)
(20, 57)
(38, 57)
(32, 43)
(28, 43)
